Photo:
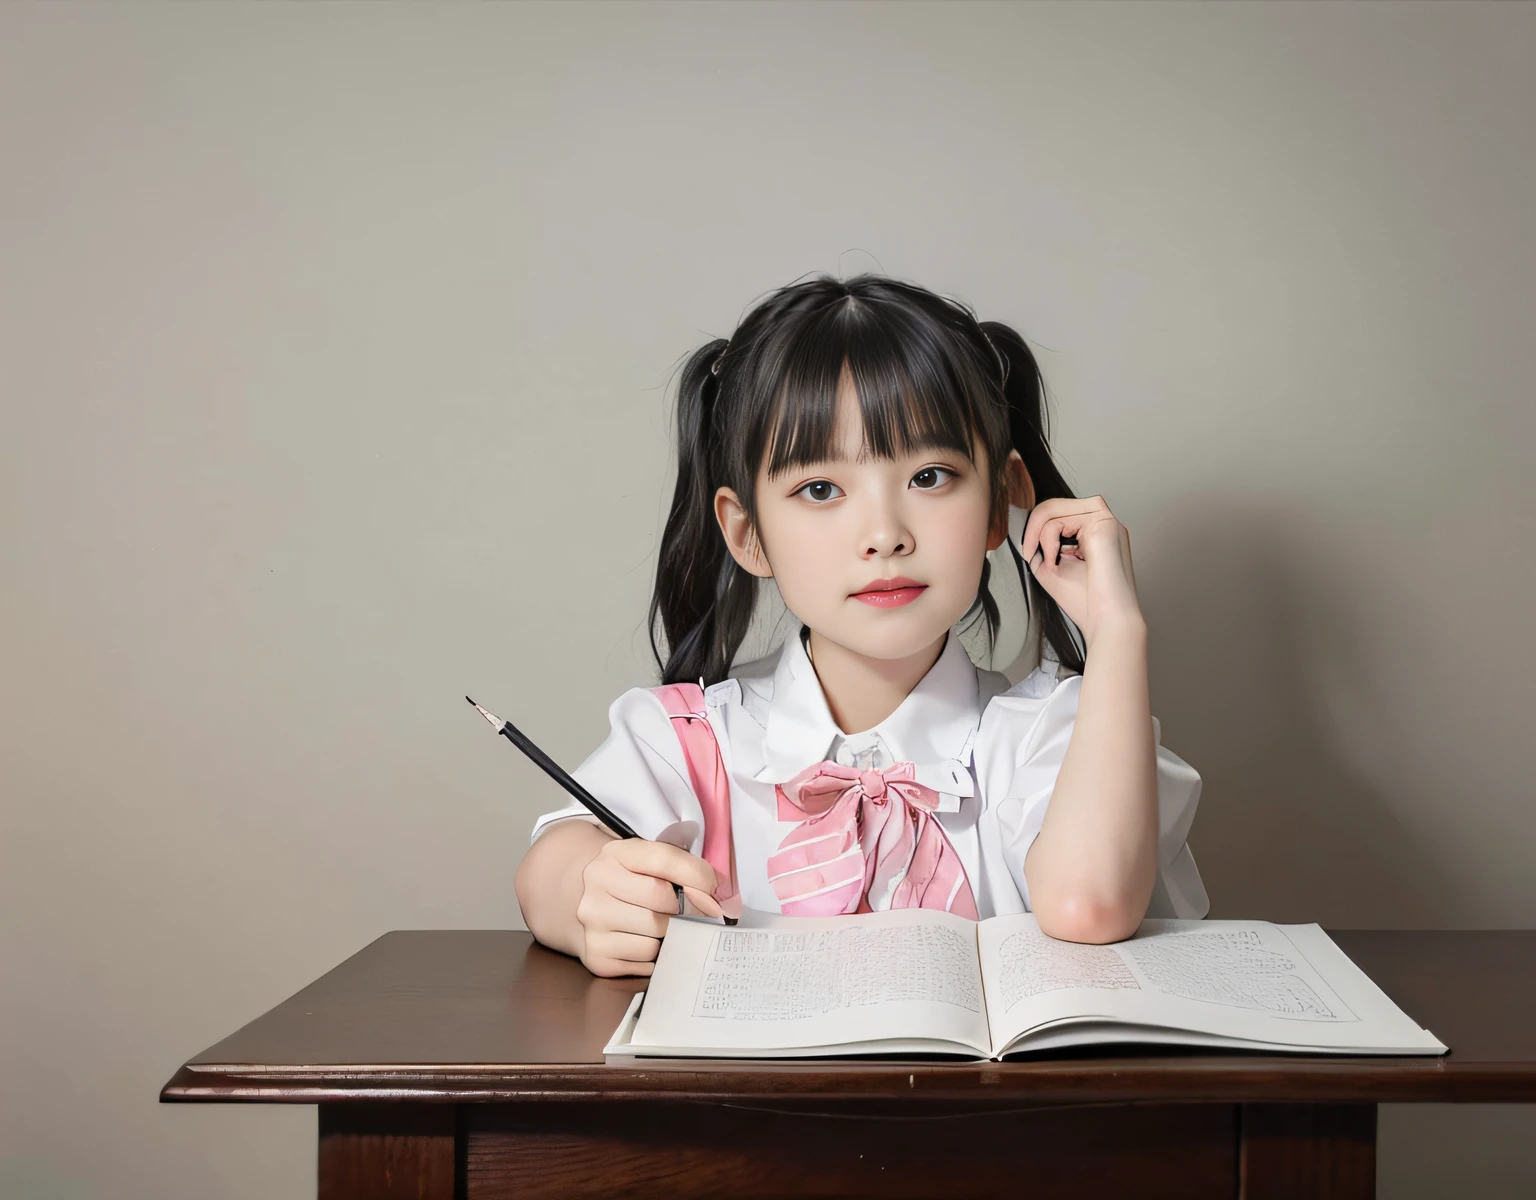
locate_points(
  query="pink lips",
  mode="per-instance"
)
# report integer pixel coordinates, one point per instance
(891, 593)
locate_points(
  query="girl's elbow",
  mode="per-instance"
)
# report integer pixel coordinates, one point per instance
(1079, 919)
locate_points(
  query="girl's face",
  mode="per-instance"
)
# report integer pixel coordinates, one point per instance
(832, 531)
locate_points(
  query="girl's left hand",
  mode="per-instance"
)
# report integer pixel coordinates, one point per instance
(1093, 582)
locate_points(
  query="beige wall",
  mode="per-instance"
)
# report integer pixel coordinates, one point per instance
(335, 343)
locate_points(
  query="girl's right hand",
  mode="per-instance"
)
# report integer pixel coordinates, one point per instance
(627, 896)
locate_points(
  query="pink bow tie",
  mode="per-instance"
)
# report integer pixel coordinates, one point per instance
(864, 833)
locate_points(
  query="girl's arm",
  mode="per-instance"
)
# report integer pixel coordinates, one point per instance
(1093, 865)
(605, 899)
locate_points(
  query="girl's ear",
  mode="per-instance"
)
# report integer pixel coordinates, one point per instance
(1021, 494)
(740, 538)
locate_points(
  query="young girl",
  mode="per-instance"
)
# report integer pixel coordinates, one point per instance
(865, 444)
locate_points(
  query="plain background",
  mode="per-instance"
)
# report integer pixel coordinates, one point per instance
(336, 346)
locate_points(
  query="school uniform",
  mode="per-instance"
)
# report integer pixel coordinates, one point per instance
(990, 751)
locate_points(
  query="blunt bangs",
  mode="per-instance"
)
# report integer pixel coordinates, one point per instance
(911, 399)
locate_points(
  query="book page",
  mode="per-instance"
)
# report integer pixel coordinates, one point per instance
(782, 982)
(1250, 980)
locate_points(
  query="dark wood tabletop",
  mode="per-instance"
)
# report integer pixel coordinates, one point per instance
(491, 1016)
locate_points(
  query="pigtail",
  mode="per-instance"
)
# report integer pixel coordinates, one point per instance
(704, 598)
(1024, 390)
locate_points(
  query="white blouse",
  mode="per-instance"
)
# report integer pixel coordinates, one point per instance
(991, 751)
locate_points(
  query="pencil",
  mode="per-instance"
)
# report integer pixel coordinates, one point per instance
(553, 769)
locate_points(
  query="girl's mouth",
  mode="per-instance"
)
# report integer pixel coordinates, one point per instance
(893, 598)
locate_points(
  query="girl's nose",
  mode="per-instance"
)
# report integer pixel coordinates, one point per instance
(889, 536)
(886, 531)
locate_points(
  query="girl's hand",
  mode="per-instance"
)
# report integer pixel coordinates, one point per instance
(627, 897)
(1093, 582)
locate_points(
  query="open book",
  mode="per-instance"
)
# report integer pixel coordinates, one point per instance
(922, 981)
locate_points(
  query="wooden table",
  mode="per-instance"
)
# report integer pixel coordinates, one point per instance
(451, 1064)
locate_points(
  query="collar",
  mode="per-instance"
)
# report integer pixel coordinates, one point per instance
(932, 728)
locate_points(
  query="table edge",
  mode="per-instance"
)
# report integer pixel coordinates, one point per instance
(979, 1085)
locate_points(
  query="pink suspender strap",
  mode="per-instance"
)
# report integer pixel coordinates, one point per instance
(684, 703)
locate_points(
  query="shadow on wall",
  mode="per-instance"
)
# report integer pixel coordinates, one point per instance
(1256, 640)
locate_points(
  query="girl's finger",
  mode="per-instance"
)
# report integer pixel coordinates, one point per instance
(1050, 542)
(703, 901)
(612, 968)
(1046, 511)
(626, 947)
(1029, 540)
(611, 913)
(646, 891)
(665, 861)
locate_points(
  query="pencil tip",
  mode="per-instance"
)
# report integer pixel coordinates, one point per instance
(489, 716)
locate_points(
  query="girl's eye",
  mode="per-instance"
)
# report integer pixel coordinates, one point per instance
(819, 483)
(929, 471)
(932, 473)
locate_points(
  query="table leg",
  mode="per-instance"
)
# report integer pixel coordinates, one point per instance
(387, 1151)
(1321, 1151)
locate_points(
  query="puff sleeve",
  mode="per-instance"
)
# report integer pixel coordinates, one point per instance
(1021, 743)
(638, 771)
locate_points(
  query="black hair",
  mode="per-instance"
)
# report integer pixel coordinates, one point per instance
(927, 375)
